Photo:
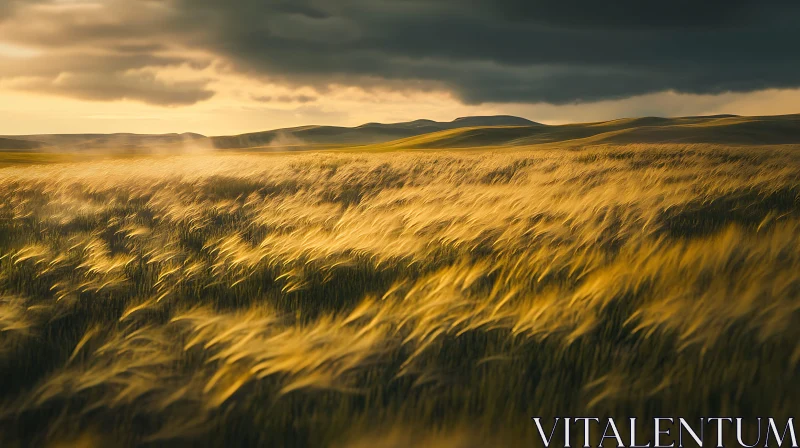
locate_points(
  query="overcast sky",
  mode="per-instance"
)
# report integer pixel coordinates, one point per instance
(232, 66)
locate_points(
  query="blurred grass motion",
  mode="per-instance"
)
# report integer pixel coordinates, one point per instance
(395, 298)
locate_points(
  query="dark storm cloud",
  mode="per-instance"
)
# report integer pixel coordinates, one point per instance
(556, 51)
(628, 14)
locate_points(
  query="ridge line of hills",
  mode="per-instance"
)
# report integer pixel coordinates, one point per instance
(465, 132)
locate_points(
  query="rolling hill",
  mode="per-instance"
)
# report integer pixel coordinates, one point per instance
(725, 129)
(121, 142)
(466, 132)
(12, 144)
(370, 133)
(302, 137)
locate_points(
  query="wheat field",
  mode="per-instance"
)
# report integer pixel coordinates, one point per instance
(392, 299)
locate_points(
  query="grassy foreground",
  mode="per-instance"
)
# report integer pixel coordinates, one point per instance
(397, 298)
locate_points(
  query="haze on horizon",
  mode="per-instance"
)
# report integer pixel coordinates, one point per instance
(155, 66)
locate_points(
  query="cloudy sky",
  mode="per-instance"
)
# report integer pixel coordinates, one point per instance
(232, 66)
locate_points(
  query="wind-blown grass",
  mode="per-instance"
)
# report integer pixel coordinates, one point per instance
(397, 298)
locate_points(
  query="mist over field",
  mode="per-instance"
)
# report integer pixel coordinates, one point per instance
(438, 288)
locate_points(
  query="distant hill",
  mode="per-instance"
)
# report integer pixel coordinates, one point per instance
(105, 142)
(365, 134)
(12, 144)
(466, 132)
(718, 129)
(301, 137)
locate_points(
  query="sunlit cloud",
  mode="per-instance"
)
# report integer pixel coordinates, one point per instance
(16, 51)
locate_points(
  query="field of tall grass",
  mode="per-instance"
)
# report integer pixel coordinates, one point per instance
(396, 298)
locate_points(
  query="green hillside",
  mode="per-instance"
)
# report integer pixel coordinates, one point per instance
(730, 130)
